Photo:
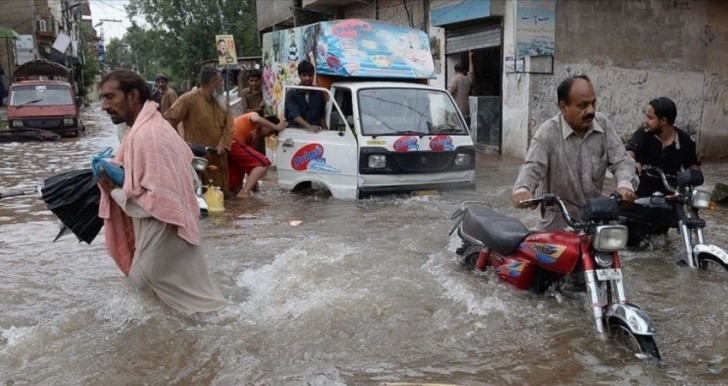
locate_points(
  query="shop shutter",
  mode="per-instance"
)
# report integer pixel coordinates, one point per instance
(472, 37)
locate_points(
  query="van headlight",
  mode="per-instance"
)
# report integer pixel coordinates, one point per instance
(68, 121)
(377, 161)
(700, 199)
(610, 238)
(462, 159)
(16, 123)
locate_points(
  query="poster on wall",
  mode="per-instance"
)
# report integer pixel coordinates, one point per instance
(225, 49)
(535, 28)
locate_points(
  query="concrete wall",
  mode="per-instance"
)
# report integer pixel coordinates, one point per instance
(516, 89)
(713, 138)
(272, 12)
(634, 51)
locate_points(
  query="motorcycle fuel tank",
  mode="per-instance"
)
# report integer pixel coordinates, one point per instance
(556, 251)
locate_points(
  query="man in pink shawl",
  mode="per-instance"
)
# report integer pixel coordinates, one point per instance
(150, 223)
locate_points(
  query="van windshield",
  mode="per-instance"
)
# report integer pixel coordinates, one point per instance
(408, 111)
(41, 95)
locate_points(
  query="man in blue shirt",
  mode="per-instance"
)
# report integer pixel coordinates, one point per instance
(306, 108)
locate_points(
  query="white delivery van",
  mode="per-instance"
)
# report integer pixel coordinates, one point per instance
(387, 131)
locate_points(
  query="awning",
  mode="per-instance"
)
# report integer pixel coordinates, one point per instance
(41, 67)
(8, 33)
(463, 11)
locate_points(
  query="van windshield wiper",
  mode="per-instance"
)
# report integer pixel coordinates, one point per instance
(30, 102)
(410, 132)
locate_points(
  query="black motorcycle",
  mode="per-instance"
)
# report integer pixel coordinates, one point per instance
(678, 209)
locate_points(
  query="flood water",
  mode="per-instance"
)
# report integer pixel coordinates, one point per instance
(361, 292)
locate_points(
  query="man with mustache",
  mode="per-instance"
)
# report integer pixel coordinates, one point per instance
(206, 120)
(570, 154)
(659, 143)
(151, 221)
(165, 96)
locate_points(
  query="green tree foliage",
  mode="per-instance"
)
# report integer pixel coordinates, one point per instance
(181, 34)
(90, 68)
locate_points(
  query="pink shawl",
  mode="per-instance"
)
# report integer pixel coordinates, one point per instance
(156, 162)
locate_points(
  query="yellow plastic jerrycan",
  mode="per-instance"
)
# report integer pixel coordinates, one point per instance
(215, 199)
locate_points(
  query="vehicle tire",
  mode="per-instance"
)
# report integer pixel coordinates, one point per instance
(644, 344)
(712, 264)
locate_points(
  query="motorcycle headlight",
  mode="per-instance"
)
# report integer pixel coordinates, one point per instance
(610, 238)
(199, 164)
(377, 161)
(700, 199)
(462, 159)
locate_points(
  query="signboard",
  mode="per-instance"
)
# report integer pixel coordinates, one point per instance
(535, 28)
(24, 49)
(225, 45)
(62, 42)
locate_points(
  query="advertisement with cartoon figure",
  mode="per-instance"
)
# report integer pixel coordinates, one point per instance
(370, 48)
(349, 48)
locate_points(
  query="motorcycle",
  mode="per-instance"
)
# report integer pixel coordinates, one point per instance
(679, 209)
(200, 180)
(543, 261)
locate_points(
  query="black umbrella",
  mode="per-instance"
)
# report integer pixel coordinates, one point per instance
(74, 198)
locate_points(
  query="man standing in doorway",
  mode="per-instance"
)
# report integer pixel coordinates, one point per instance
(164, 95)
(206, 118)
(2, 85)
(459, 87)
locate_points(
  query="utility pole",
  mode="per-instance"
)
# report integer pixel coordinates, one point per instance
(224, 32)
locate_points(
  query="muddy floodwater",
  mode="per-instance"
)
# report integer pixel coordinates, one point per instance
(328, 292)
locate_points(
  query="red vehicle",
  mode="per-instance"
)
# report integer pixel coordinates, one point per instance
(41, 100)
(544, 260)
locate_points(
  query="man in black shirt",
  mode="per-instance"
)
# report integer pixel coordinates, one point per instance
(658, 143)
(306, 108)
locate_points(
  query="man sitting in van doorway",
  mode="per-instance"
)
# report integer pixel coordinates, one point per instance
(243, 158)
(306, 108)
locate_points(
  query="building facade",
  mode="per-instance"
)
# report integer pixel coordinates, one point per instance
(53, 30)
(633, 51)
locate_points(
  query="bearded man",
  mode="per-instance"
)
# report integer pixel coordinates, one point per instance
(205, 116)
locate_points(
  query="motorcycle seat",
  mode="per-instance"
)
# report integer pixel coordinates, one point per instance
(496, 231)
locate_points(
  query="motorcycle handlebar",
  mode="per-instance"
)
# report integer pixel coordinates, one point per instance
(200, 151)
(654, 171)
(549, 199)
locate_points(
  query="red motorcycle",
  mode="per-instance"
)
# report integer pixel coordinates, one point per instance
(587, 257)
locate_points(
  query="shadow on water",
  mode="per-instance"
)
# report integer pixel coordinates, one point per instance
(328, 292)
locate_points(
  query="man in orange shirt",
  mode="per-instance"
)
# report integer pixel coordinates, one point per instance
(244, 159)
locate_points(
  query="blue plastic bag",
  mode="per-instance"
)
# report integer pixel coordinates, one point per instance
(114, 172)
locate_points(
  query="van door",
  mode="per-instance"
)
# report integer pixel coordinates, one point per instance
(329, 157)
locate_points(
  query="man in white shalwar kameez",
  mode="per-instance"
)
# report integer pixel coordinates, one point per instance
(150, 223)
